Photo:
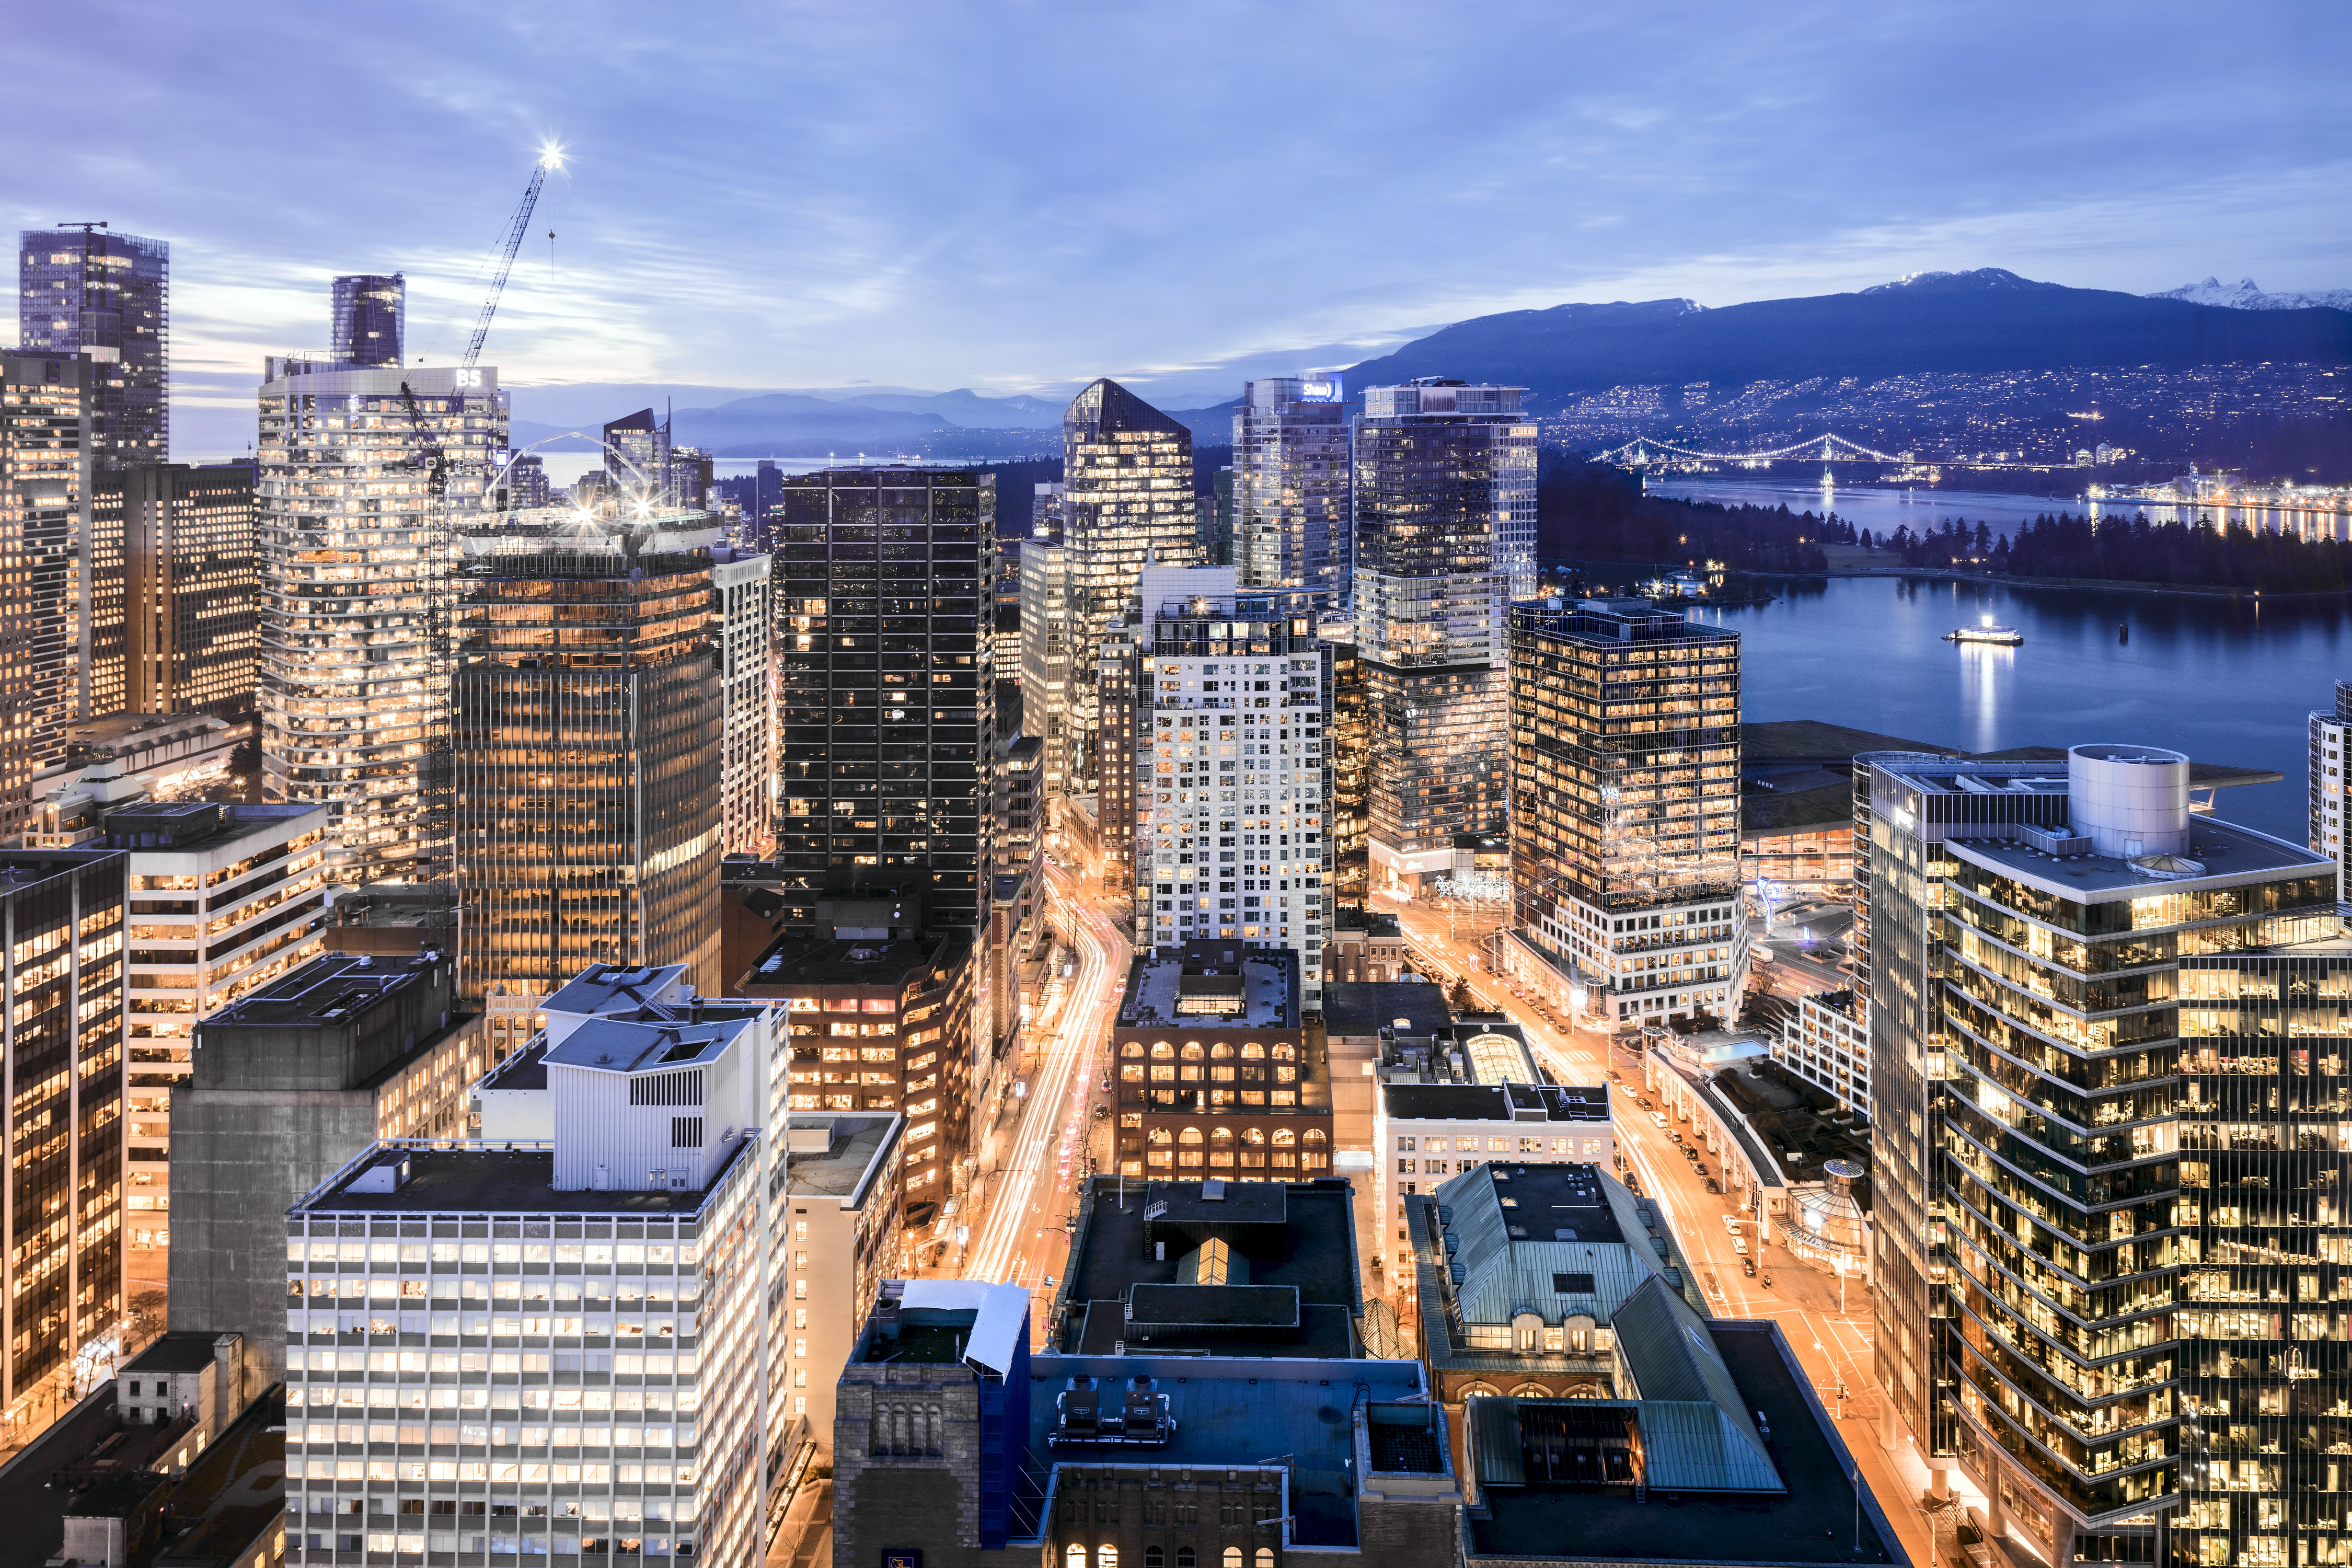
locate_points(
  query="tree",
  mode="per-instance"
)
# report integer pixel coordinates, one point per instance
(147, 1314)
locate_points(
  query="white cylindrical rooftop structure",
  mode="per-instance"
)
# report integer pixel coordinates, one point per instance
(2129, 801)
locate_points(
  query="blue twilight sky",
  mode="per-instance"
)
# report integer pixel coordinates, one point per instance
(1018, 196)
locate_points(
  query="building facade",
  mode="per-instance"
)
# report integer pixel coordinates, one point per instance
(1217, 1074)
(2108, 1073)
(185, 594)
(836, 1223)
(371, 320)
(364, 477)
(1291, 510)
(1127, 499)
(1045, 660)
(108, 296)
(743, 621)
(48, 447)
(1231, 791)
(292, 1080)
(589, 753)
(1445, 488)
(2330, 759)
(1625, 804)
(887, 699)
(61, 921)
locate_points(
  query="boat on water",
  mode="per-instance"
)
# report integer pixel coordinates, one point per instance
(1998, 636)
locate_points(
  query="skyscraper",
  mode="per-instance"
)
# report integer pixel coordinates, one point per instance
(588, 754)
(1443, 471)
(1625, 804)
(887, 700)
(46, 519)
(2329, 829)
(2108, 1076)
(636, 454)
(81, 289)
(1230, 822)
(1127, 497)
(186, 592)
(742, 620)
(371, 319)
(1046, 660)
(1291, 512)
(364, 474)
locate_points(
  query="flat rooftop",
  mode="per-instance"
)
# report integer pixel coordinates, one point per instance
(1214, 985)
(480, 1180)
(615, 1045)
(2228, 855)
(1493, 1103)
(180, 1350)
(1541, 1201)
(858, 1144)
(1365, 1007)
(803, 961)
(1236, 1411)
(1812, 1523)
(524, 1071)
(1293, 1235)
(333, 989)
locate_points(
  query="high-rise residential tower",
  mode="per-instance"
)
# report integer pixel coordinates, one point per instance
(588, 752)
(371, 319)
(187, 590)
(81, 289)
(889, 704)
(1625, 804)
(364, 476)
(1292, 516)
(2329, 758)
(2109, 1042)
(636, 454)
(1444, 485)
(46, 521)
(1231, 796)
(1046, 662)
(1127, 498)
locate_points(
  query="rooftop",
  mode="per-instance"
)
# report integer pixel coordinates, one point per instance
(615, 1045)
(236, 1490)
(180, 1350)
(804, 960)
(334, 989)
(1811, 1520)
(1493, 1103)
(601, 987)
(473, 1178)
(1363, 1008)
(1252, 1269)
(855, 1148)
(1786, 1124)
(1212, 984)
(2226, 854)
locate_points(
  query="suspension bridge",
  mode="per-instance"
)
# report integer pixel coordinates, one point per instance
(1829, 446)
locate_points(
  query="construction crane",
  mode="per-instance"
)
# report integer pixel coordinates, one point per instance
(549, 158)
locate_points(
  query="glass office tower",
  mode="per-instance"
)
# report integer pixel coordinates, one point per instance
(1625, 804)
(186, 539)
(881, 579)
(45, 481)
(588, 754)
(107, 295)
(2108, 1042)
(371, 319)
(1127, 497)
(1291, 513)
(1444, 474)
(364, 476)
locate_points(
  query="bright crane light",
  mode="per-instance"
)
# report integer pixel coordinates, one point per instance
(550, 155)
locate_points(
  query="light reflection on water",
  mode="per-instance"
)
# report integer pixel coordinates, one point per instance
(1883, 510)
(2226, 680)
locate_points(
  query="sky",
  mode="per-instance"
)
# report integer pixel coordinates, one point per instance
(1018, 197)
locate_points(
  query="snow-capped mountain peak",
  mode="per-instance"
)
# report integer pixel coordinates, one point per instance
(2245, 294)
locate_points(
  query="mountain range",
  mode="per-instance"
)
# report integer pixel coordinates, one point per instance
(2246, 295)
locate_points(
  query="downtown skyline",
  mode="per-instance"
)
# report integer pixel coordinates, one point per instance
(797, 217)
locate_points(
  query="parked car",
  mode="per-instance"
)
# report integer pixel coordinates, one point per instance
(1657, 1116)
(1739, 1245)
(1712, 1186)
(1748, 1263)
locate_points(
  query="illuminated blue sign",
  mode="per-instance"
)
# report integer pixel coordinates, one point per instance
(1327, 389)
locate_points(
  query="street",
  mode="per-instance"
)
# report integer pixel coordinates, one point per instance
(1833, 1345)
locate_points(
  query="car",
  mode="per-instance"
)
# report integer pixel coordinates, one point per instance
(1657, 1116)
(1712, 1186)
(1732, 1224)
(1748, 1263)
(1739, 1245)
(1697, 1168)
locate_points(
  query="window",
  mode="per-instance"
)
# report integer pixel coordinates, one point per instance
(1265, 1557)
(1076, 1557)
(1154, 1558)
(1233, 1558)
(1107, 1556)
(1184, 1557)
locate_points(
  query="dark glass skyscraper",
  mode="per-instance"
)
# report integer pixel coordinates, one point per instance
(107, 295)
(371, 318)
(587, 754)
(881, 581)
(187, 639)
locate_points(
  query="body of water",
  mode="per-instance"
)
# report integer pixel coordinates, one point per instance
(2225, 681)
(1883, 509)
(565, 468)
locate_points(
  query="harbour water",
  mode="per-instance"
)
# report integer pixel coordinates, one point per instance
(2227, 680)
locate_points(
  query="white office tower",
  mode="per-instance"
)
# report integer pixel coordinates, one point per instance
(1231, 795)
(556, 1344)
(740, 616)
(364, 476)
(1292, 522)
(2331, 826)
